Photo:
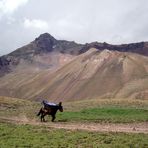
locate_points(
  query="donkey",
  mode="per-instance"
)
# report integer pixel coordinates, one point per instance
(50, 109)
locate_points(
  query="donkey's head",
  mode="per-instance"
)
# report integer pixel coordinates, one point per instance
(60, 107)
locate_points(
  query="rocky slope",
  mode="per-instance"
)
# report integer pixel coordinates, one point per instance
(94, 74)
(105, 74)
(64, 70)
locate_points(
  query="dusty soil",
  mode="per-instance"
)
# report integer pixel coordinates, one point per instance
(93, 127)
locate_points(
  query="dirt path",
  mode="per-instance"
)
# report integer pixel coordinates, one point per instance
(93, 127)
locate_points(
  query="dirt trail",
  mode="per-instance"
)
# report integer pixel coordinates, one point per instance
(93, 127)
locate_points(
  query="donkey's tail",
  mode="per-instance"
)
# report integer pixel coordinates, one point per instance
(39, 112)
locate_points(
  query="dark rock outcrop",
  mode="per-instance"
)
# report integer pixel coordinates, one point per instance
(4, 66)
(45, 42)
(140, 48)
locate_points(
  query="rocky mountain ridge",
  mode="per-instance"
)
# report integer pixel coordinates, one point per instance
(59, 69)
(46, 43)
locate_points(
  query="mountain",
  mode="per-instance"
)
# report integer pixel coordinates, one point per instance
(64, 70)
(46, 43)
(45, 52)
(93, 74)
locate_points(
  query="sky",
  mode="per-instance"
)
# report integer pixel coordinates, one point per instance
(82, 21)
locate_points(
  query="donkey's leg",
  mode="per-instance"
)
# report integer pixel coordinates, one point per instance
(53, 118)
(43, 118)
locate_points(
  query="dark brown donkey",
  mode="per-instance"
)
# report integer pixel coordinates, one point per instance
(50, 109)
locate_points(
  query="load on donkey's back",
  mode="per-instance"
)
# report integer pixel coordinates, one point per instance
(49, 108)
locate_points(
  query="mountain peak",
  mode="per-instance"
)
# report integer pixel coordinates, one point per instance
(46, 35)
(45, 41)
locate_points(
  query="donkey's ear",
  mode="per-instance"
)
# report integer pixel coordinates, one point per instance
(60, 103)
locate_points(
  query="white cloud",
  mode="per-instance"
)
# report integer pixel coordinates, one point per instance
(9, 6)
(35, 23)
(11, 20)
(113, 21)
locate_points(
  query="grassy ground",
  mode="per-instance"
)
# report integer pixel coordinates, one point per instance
(93, 103)
(107, 110)
(38, 136)
(106, 114)
(18, 107)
